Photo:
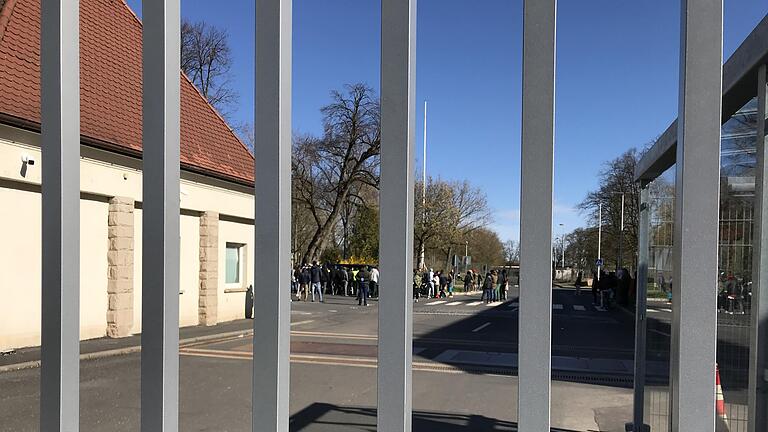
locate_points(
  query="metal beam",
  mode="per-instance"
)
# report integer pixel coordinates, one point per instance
(272, 151)
(758, 363)
(398, 118)
(535, 328)
(60, 119)
(640, 309)
(160, 227)
(694, 297)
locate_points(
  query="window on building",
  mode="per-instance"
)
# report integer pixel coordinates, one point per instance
(234, 259)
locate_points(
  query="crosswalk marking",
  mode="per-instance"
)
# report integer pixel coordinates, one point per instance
(515, 306)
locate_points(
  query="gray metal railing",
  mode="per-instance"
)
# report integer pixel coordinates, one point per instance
(697, 182)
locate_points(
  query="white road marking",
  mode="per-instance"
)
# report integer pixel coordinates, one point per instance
(601, 309)
(302, 322)
(474, 303)
(436, 303)
(514, 305)
(454, 303)
(493, 304)
(557, 306)
(481, 327)
(667, 310)
(579, 308)
(653, 311)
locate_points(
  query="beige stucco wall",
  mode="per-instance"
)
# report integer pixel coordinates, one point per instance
(232, 296)
(103, 175)
(20, 268)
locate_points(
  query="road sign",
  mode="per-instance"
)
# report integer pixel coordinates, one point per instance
(599, 262)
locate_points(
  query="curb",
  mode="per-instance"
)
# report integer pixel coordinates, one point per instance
(125, 351)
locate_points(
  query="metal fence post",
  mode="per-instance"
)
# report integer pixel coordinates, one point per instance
(758, 363)
(272, 151)
(697, 183)
(535, 319)
(60, 144)
(160, 231)
(398, 118)
(640, 309)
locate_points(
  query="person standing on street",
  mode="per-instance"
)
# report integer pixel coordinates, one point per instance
(374, 285)
(503, 285)
(304, 279)
(416, 285)
(430, 284)
(487, 288)
(314, 272)
(324, 285)
(362, 289)
(469, 282)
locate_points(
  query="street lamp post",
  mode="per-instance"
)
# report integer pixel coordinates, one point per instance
(621, 233)
(599, 239)
(562, 245)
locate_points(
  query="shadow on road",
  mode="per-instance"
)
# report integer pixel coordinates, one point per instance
(329, 417)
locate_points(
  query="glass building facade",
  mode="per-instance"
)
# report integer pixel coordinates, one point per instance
(735, 238)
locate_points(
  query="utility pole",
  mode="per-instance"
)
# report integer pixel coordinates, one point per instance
(599, 238)
(621, 235)
(422, 265)
(562, 245)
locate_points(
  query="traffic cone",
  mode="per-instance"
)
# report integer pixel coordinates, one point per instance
(719, 401)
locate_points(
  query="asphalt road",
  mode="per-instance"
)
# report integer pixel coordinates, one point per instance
(464, 372)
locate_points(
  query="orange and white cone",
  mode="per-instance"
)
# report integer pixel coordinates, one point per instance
(720, 401)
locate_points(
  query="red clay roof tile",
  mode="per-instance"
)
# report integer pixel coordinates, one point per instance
(110, 87)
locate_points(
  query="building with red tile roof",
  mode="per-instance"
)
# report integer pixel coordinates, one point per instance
(216, 184)
(110, 88)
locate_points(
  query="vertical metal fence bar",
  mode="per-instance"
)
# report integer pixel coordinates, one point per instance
(640, 309)
(160, 233)
(758, 363)
(272, 150)
(398, 118)
(60, 119)
(694, 297)
(535, 319)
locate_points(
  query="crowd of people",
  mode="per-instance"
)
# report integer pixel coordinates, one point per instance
(310, 279)
(611, 287)
(439, 284)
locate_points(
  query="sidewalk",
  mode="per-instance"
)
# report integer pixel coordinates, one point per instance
(26, 358)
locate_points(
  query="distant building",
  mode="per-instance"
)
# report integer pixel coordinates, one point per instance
(216, 184)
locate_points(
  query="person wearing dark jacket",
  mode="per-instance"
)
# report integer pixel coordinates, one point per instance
(487, 288)
(362, 286)
(304, 279)
(315, 272)
(324, 278)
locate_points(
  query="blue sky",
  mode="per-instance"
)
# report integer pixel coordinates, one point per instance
(617, 77)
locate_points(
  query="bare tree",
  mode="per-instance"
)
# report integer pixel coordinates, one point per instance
(617, 178)
(453, 210)
(207, 60)
(330, 171)
(512, 252)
